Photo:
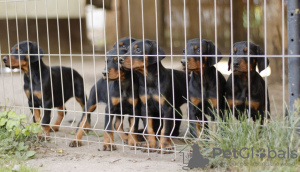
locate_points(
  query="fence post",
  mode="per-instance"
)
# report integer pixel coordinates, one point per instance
(293, 13)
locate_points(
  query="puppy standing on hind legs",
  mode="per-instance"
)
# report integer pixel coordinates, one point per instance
(27, 56)
(257, 84)
(211, 85)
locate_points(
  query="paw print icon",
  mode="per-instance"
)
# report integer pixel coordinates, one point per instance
(261, 153)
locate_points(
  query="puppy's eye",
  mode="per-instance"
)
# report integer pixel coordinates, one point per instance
(138, 50)
(20, 51)
(183, 51)
(198, 50)
(123, 46)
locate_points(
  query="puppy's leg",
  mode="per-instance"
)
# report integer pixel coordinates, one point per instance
(61, 114)
(45, 123)
(133, 129)
(84, 123)
(119, 127)
(108, 134)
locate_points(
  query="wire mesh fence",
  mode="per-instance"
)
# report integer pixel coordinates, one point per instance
(150, 75)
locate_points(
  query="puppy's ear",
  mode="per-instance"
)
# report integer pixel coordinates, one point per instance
(35, 52)
(156, 51)
(229, 63)
(261, 60)
(211, 50)
(132, 40)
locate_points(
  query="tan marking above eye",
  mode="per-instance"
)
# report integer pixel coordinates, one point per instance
(135, 46)
(234, 49)
(245, 49)
(121, 43)
(195, 47)
(115, 58)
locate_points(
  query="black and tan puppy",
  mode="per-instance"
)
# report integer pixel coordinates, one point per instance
(211, 85)
(27, 56)
(128, 101)
(257, 84)
(158, 89)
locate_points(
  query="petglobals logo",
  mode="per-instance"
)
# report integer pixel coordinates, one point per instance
(246, 153)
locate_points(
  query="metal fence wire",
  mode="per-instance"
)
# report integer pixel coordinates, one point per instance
(138, 74)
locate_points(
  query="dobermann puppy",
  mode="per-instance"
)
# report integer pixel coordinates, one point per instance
(40, 92)
(210, 82)
(128, 101)
(151, 94)
(124, 42)
(257, 84)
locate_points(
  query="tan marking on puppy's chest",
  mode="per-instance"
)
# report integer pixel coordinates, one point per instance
(133, 102)
(195, 100)
(38, 94)
(253, 104)
(115, 100)
(143, 98)
(157, 98)
(236, 102)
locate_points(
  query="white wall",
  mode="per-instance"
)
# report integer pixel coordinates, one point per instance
(41, 8)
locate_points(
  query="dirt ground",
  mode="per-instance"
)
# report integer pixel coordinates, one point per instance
(58, 156)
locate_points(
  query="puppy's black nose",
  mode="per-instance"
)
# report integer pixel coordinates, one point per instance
(121, 60)
(104, 73)
(183, 62)
(4, 59)
(236, 64)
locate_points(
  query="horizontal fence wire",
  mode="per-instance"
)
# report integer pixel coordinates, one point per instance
(91, 118)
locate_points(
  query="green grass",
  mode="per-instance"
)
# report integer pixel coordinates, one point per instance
(17, 140)
(276, 135)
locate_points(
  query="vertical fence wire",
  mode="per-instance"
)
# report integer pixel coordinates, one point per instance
(145, 79)
(20, 71)
(216, 57)
(8, 42)
(48, 47)
(33, 109)
(94, 67)
(231, 65)
(283, 55)
(108, 93)
(82, 60)
(158, 79)
(131, 74)
(120, 86)
(248, 59)
(265, 61)
(40, 74)
(71, 62)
